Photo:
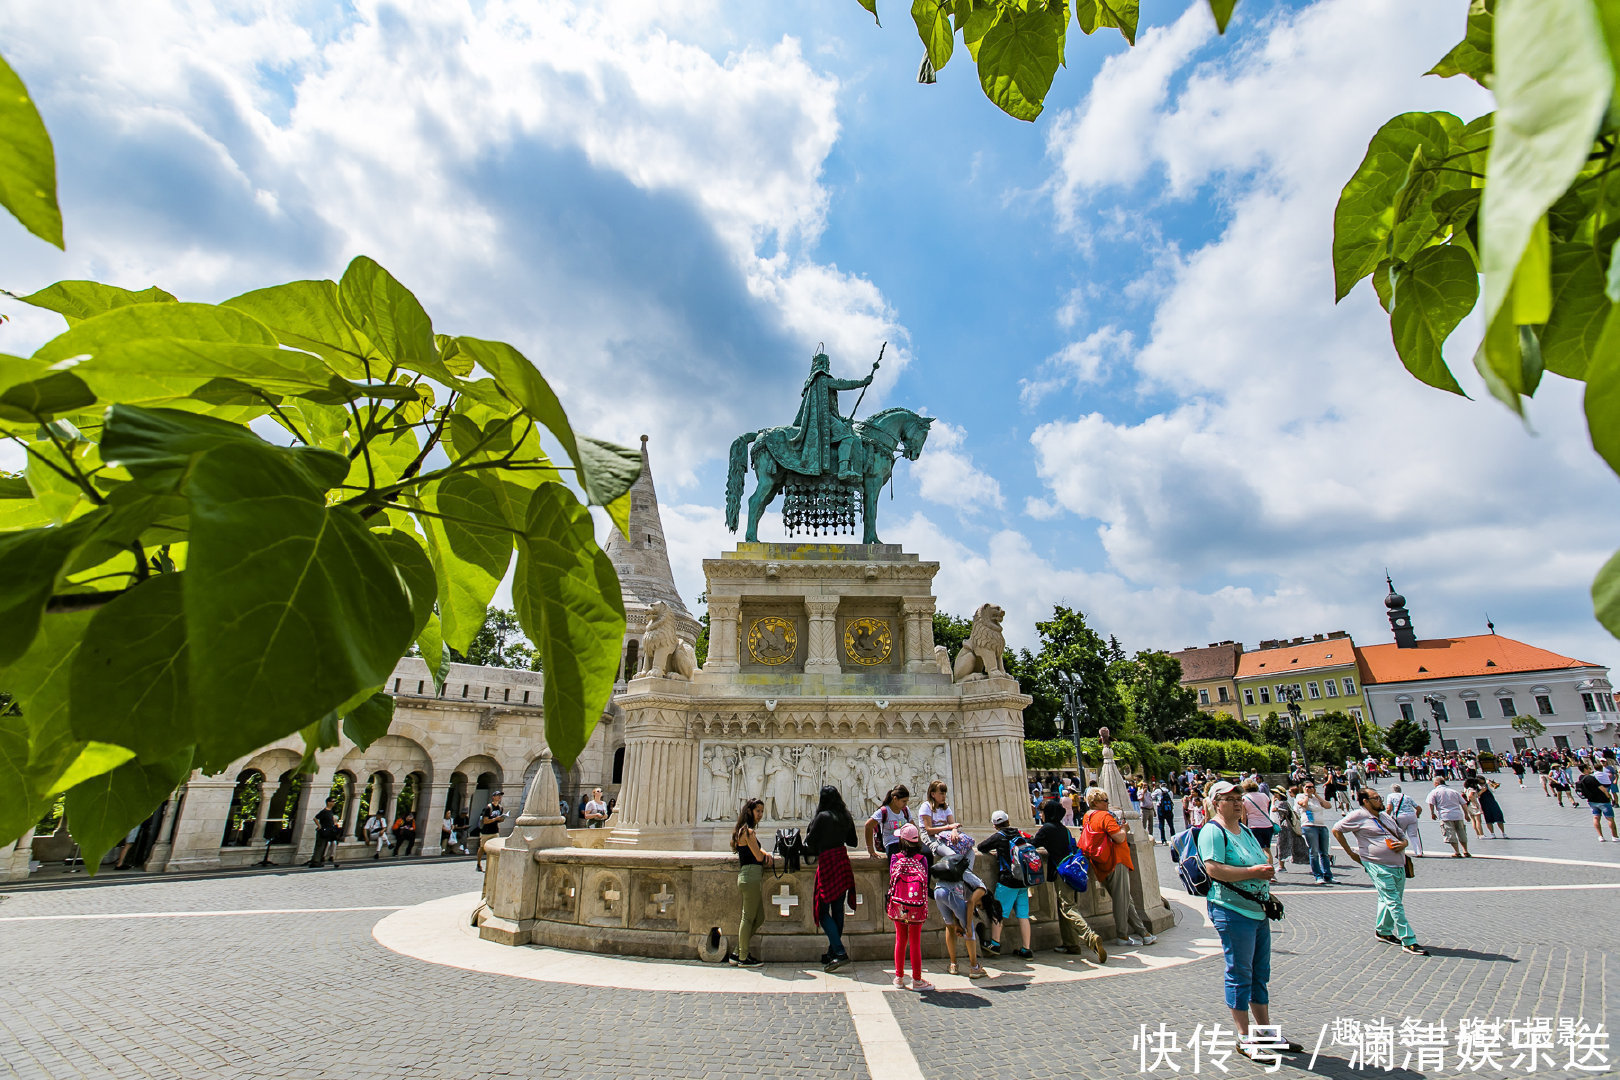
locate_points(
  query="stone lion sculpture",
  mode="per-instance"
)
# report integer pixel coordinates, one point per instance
(981, 655)
(663, 652)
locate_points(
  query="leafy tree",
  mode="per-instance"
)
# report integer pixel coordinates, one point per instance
(1043, 717)
(951, 631)
(1330, 739)
(177, 590)
(1406, 737)
(500, 642)
(1273, 732)
(1151, 688)
(1068, 644)
(1529, 727)
(701, 646)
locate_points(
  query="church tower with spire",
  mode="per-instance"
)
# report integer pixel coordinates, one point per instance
(642, 562)
(1400, 620)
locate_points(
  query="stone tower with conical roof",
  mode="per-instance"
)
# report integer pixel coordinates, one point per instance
(1400, 619)
(642, 562)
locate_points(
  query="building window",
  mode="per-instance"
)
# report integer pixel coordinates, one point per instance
(1544, 704)
(1203, 697)
(1561, 741)
(1314, 690)
(1265, 695)
(1406, 712)
(1317, 714)
(1507, 706)
(1220, 692)
(1254, 720)
(1349, 686)
(1330, 687)
(1298, 693)
(1448, 744)
(1482, 745)
(1471, 707)
(1607, 702)
(1589, 703)
(1248, 697)
(1521, 744)
(1355, 714)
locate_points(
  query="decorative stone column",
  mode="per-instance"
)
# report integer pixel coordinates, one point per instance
(515, 887)
(919, 613)
(1145, 878)
(658, 799)
(312, 795)
(430, 828)
(724, 614)
(267, 793)
(203, 813)
(14, 860)
(821, 656)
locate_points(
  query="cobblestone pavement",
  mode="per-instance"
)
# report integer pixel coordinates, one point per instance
(310, 994)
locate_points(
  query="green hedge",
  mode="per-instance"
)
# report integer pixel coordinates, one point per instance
(1243, 756)
(1048, 753)
(1202, 753)
(1280, 759)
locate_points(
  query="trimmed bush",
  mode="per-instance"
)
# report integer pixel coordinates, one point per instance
(1279, 758)
(1243, 756)
(1202, 753)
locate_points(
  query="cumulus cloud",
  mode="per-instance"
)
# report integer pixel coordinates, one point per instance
(1076, 364)
(945, 473)
(612, 188)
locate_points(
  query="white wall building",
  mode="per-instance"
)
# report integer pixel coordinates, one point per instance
(1481, 684)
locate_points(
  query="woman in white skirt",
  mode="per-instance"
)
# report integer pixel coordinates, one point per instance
(1406, 811)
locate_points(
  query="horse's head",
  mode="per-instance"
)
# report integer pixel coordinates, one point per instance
(913, 433)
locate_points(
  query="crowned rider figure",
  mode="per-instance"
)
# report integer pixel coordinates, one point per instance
(822, 437)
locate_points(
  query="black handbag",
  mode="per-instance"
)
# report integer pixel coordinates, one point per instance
(789, 848)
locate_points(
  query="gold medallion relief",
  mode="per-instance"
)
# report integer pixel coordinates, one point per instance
(868, 641)
(772, 640)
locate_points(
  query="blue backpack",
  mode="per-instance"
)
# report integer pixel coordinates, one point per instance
(1023, 861)
(1189, 867)
(1072, 871)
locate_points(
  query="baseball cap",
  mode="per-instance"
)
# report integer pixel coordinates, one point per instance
(1219, 788)
(908, 833)
(999, 818)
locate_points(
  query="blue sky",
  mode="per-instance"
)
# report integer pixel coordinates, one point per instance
(1122, 314)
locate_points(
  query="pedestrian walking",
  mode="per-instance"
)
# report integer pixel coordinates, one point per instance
(1166, 803)
(1490, 811)
(830, 832)
(489, 826)
(1446, 804)
(1240, 874)
(1406, 811)
(1381, 851)
(751, 864)
(326, 834)
(1598, 798)
(1315, 816)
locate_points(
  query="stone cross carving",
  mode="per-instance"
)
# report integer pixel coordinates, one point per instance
(663, 897)
(785, 902)
(610, 897)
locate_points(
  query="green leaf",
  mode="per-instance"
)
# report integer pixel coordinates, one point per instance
(31, 565)
(431, 643)
(1606, 595)
(368, 721)
(77, 301)
(37, 748)
(604, 469)
(1552, 84)
(1120, 14)
(130, 678)
(471, 547)
(871, 5)
(292, 607)
(307, 315)
(102, 810)
(1500, 363)
(415, 573)
(1018, 57)
(1603, 392)
(27, 162)
(1433, 293)
(1222, 10)
(976, 23)
(1532, 281)
(1383, 279)
(155, 445)
(93, 759)
(1579, 307)
(391, 318)
(570, 604)
(1472, 55)
(933, 21)
(1365, 216)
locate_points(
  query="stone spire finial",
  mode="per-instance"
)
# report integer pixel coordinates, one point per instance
(642, 558)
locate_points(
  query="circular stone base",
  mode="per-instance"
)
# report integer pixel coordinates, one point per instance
(441, 932)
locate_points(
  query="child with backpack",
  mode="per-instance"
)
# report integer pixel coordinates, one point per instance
(958, 892)
(1014, 854)
(886, 821)
(908, 905)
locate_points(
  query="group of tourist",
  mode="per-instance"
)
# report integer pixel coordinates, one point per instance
(930, 856)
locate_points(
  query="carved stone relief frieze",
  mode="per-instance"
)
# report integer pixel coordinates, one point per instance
(789, 777)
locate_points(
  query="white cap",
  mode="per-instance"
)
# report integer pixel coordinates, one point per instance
(999, 818)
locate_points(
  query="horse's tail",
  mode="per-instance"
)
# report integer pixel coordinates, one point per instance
(735, 476)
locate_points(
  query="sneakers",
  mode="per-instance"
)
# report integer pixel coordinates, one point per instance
(1415, 950)
(751, 962)
(1096, 943)
(1390, 938)
(1131, 939)
(899, 983)
(993, 948)
(977, 972)
(1023, 954)
(835, 963)
(921, 985)
(1149, 939)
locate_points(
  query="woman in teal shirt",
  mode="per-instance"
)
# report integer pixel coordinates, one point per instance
(1240, 873)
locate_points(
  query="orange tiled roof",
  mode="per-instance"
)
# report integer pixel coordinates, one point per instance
(1453, 658)
(1309, 656)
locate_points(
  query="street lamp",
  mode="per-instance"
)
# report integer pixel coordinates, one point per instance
(1296, 720)
(1070, 683)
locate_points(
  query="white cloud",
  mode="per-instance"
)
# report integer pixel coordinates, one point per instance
(945, 474)
(1076, 364)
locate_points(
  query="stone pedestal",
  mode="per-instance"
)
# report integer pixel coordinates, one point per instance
(14, 859)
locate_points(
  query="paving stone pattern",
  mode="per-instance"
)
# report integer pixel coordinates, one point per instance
(312, 995)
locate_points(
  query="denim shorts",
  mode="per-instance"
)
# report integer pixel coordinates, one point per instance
(1602, 809)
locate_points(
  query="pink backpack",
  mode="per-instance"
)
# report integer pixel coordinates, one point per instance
(908, 888)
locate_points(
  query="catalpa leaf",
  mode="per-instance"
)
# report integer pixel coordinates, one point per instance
(27, 161)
